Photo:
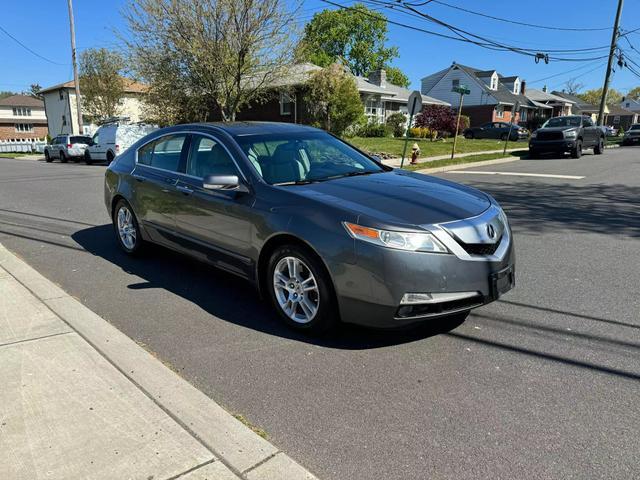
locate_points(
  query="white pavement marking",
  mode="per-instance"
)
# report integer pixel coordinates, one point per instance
(519, 174)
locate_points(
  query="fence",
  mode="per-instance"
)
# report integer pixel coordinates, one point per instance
(22, 146)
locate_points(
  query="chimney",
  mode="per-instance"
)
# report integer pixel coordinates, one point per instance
(523, 87)
(544, 89)
(378, 77)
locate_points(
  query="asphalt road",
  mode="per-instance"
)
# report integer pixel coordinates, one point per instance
(542, 384)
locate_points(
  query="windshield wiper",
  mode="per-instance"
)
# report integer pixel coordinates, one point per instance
(351, 174)
(295, 182)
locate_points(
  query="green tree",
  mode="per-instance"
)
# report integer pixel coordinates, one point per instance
(334, 100)
(355, 36)
(593, 96)
(5, 94)
(634, 93)
(397, 77)
(201, 57)
(101, 83)
(34, 91)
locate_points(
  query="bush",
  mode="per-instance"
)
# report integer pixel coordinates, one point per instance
(374, 130)
(396, 123)
(464, 123)
(620, 131)
(437, 117)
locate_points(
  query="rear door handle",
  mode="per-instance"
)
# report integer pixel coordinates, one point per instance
(139, 178)
(185, 190)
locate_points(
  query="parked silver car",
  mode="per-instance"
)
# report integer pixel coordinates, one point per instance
(67, 147)
(323, 230)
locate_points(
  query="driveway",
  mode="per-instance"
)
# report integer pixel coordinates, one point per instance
(542, 384)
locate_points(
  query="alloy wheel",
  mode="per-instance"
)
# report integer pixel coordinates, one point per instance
(126, 228)
(296, 290)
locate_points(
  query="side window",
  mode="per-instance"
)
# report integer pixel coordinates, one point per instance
(164, 153)
(587, 122)
(208, 157)
(96, 138)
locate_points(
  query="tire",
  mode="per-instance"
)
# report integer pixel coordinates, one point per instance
(87, 158)
(63, 157)
(577, 151)
(533, 154)
(110, 157)
(599, 148)
(469, 135)
(47, 157)
(503, 137)
(314, 309)
(132, 242)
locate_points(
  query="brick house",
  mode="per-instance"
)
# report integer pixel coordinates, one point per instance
(492, 98)
(22, 118)
(286, 101)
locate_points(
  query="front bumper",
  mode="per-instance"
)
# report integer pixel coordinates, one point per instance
(371, 290)
(556, 146)
(631, 140)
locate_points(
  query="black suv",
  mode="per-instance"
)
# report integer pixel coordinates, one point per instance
(567, 134)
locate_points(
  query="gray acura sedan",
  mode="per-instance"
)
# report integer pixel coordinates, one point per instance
(323, 230)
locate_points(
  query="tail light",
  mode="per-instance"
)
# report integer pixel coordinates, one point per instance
(68, 145)
(117, 148)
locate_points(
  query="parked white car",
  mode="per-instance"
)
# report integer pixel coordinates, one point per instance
(114, 138)
(67, 147)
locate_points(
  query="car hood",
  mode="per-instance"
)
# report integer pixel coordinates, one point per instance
(398, 197)
(556, 129)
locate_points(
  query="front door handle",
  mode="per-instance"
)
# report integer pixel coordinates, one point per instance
(185, 190)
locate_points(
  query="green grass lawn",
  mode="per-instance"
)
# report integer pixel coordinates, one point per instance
(17, 154)
(394, 146)
(469, 159)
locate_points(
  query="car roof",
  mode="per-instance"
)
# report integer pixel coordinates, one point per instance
(256, 128)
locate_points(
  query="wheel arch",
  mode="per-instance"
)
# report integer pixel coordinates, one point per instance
(276, 241)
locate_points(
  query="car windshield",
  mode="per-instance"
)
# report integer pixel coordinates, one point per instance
(286, 159)
(563, 122)
(80, 139)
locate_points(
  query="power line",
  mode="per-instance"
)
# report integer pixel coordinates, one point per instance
(515, 22)
(564, 73)
(29, 50)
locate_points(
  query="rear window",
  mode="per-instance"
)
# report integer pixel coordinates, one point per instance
(80, 140)
(164, 153)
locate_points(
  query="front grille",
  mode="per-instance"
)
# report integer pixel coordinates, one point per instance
(437, 309)
(542, 135)
(480, 248)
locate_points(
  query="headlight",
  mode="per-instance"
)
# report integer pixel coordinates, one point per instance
(534, 134)
(412, 241)
(570, 134)
(503, 218)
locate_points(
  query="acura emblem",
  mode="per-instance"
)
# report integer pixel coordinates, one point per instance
(491, 231)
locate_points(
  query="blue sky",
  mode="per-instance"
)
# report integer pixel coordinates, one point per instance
(42, 25)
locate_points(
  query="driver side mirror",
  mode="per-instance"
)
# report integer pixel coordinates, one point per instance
(223, 182)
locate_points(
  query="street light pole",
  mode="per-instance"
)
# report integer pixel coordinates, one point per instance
(75, 68)
(462, 90)
(612, 50)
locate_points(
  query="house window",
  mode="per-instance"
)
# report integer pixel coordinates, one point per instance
(286, 103)
(64, 120)
(24, 127)
(516, 87)
(373, 107)
(61, 95)
(523, 115)
(616, 119)
(455, 83)
(494, 82)
(21, 111)
(499, 111)
(628, 104)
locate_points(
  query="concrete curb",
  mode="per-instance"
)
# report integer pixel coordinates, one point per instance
(395, 161)
(234, 444)
(462, 166)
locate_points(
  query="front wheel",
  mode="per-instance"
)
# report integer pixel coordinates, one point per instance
(577, 151)
(599, 148)
(300, 289)
(468, 135)
(47, 157)
(87, 158)
(126, 228)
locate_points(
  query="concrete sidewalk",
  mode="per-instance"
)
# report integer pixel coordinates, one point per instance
(79, 399)
(395, 162)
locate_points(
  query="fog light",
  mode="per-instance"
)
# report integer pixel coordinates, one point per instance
(414, 298)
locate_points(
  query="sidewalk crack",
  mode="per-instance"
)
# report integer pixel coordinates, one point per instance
(26, 340)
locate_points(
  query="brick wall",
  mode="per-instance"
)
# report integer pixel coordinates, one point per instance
(8, 132)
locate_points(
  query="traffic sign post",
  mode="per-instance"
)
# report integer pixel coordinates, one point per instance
(415, 101)
(462, 90)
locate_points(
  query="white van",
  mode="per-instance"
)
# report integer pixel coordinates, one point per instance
(111, 139)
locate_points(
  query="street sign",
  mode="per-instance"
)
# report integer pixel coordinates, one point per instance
(462, 90)
(414, 104)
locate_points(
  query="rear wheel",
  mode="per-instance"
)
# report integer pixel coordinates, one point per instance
(300, 289)
(468, 135)
(503, 137)
(87, 158)
(577, 150)
(533, 154)
(47, 157)
(599, 148)
(126, 228)
(110, 157)
(63, 157)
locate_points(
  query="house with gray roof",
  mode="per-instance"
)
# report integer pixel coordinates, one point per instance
(492, 98)
(549, 104)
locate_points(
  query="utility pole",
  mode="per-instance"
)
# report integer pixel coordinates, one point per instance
(612, 50)
(75, 68)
